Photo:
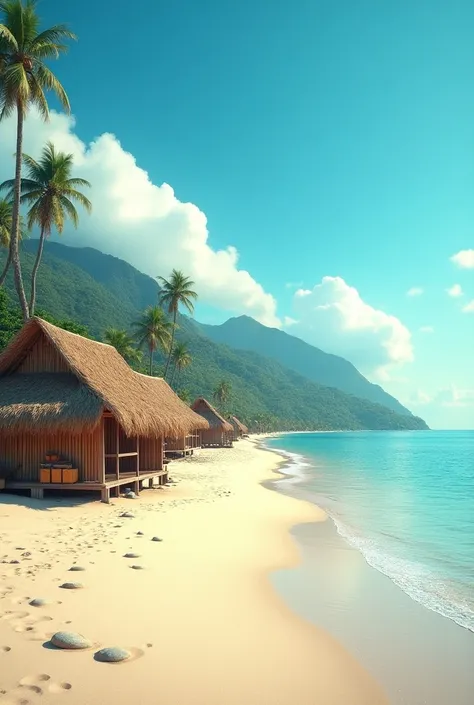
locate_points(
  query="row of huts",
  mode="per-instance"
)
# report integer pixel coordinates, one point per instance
(72, 412)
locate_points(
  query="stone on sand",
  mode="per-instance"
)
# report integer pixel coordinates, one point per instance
(72, 586)
(156, 538)
(128, 515)
(112, 654)
(76, 568)
(70, 640)
(131, 555)
(40, 602)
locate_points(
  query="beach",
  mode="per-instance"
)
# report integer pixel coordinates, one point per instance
(196, 610)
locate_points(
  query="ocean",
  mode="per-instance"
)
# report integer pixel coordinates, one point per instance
(405, 500)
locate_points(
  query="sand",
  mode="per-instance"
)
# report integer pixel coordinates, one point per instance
(196, 611)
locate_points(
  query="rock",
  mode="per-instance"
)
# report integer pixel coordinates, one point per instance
(128, 515)
(140, 533)
(137, 567)
(130, 495)
(156, 538)
(70, 640)
(40, 602)
(72, 586)
(14, 561)
(132, 555)
(112, 654)
(76, 568)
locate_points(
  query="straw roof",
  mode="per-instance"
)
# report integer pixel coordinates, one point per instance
(202, 407)
(238, 425)
(97, 379)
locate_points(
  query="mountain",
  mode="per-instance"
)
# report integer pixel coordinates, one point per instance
(244, 333)
(100, 291)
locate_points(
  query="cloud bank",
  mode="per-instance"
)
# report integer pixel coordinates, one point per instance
(333, 316)
(464, 259)
(141, 222)
(455, 291)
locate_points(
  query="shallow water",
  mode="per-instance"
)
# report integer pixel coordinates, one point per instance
(405, 500)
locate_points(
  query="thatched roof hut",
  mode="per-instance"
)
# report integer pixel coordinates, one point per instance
(220, 431)
(238, 427)
(71, 380)
(61, 391)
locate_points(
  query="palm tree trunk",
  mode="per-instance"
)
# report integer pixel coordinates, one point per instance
(15, 236)
(6, 267)
(173, 375)
(151, 361)
(171, 345)
(35, 271)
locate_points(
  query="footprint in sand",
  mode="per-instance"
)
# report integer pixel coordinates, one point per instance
(5, 650)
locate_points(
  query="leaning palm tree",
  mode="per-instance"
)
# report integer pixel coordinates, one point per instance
(6, 220)
(175, 292)
(24, 78)
(123, 343)
(181, 359)
(153, 331)
(50, 192)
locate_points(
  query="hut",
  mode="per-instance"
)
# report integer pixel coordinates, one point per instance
(239, 429)
(220, 431)
(184, 445)
(74, 414)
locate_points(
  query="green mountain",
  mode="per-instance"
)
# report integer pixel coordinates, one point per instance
(101, 291)
(244, 333)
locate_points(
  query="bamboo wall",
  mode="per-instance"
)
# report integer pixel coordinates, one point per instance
(151, 454)
(192, 440)
(43, 357)
(24, 453)
(215, 437)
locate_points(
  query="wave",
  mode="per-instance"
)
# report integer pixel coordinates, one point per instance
(452, 599)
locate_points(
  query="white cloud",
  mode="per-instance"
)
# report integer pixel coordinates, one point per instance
(469, 308)
(334, 317)
(293, 285)
(415, 291)
(455, 291)
(454, 396)
(141, 222)
(426, 329)
(464, 259)
(419, 398)
(288, 321)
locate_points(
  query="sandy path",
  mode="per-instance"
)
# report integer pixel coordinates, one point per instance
(202, 623)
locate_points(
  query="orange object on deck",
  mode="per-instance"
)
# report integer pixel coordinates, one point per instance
(70, 475)
(56, 475)
(45, 475)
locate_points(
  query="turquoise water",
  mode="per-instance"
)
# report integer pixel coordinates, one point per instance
(405, 500)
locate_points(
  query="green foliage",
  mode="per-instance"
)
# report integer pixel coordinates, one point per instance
(153, 331)
(266, 395)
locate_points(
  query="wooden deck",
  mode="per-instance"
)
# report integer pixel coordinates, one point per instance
(111, 482)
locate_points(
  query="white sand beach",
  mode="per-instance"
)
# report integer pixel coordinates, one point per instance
(200, 618)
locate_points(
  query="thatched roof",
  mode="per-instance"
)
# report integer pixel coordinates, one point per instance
(238, 425)
(97, 379)
(202, 407)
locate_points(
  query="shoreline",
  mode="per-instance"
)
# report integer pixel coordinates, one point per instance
(202, 620)
(375, 619)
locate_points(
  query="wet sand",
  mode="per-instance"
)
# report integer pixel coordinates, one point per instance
(418, 656)
(196, 611)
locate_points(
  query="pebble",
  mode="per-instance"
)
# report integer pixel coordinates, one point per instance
(76, 568)
(140, 533)
(130, 495)
(127, 515)
(14, 561)
(156, 538)
(112, 654)
(40, 602)
(70, 640)
(137, 567)
(132, 555)
(72, 586)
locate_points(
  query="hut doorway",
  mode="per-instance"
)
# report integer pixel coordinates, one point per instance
(121, 452)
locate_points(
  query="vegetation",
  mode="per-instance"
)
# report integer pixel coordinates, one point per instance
(49, 191)
(176, 291)
(24, 78)
(124, 344)
(222, 394)
(154, 331)
(181, 359)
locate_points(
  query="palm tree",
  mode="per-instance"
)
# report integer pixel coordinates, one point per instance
(184, 395)
(222, 392)
(24, 78)
(6, 220)
(123, 343)
(181, 359)
(153, 330)
(49, 190)
(175, 292)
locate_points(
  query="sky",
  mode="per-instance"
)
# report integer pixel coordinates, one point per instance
(307, 163)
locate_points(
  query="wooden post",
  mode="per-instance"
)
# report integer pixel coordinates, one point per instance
(138, 457)
(117, 450)
(103, 450)
(105, 495)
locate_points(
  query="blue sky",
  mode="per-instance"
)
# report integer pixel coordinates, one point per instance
(320, 139)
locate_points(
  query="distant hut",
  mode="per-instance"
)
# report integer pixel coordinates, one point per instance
(74, 414)
(184, 445)
(239, 429)
(220, 431)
